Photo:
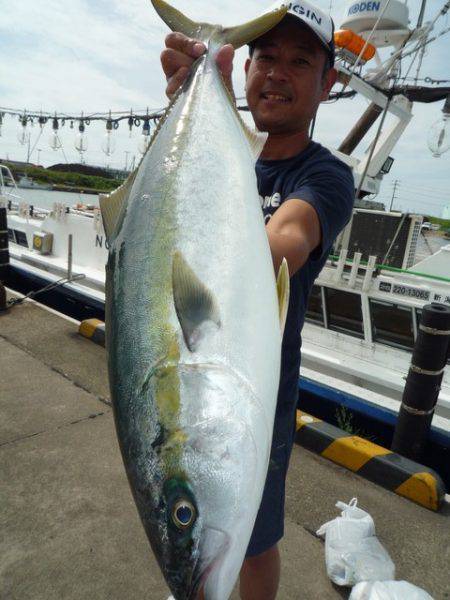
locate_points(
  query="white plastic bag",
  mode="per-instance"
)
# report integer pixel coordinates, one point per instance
(388, 590)
(352, 551)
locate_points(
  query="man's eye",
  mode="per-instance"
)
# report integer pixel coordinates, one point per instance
(265, 57)
(301, 61)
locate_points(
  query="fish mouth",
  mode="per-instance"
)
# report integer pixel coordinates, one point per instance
(276, 97)
(214, 547)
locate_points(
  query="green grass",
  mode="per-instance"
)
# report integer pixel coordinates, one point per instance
(79, 180)
(444, 223)
(345, 421)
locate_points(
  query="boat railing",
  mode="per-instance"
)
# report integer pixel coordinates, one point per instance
(8, 187)
(356, 262)
(25, 210)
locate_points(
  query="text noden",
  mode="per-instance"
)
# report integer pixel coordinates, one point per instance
(364, 6)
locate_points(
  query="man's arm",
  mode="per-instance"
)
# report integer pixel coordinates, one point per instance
(294, 232)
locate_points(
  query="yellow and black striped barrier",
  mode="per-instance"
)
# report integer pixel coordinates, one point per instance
(94, 329)
(384, 467)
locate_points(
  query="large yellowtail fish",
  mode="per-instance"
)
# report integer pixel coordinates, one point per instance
(193, 326)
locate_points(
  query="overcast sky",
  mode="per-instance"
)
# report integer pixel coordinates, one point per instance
(99, 55)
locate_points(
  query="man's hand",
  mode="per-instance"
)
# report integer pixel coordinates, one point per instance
(180, 54)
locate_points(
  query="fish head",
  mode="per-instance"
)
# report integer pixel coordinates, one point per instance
(199, 487)
(186, 545)
(223, 456)
(187, 549)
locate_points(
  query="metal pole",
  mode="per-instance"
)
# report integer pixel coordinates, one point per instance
(372, 149)
(4, 253)
(69, 258)
(4, 241)
(423, 382)
(360, 129)
(421, 14)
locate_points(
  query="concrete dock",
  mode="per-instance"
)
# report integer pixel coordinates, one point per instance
(69, 527)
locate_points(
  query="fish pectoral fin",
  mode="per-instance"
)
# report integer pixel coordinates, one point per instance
(240, 35)
(111, 205)
(194, 303)
(283, 292)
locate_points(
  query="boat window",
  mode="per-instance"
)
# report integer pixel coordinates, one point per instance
(344, 312)
(392, 324)
(21, 238)
(314, 311)
(11, 235)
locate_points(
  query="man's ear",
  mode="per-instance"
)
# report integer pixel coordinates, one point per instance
(247, 65)
(329, 79)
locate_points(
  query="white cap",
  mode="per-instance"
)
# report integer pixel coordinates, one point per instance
(313, 17)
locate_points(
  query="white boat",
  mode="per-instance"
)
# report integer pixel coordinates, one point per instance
(64, 243)
(29, 184)
(362, 323)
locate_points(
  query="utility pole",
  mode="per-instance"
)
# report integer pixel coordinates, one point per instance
(29, 147)
(394, 197)
(39, 150)
(126, 159)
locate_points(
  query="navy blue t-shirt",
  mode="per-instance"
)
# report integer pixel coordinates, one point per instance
(325, 182)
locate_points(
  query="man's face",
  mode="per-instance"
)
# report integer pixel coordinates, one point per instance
(287, 79)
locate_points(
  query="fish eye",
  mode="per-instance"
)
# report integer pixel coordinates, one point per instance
(183, 514)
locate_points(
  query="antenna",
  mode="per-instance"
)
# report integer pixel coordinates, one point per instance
(421, 14)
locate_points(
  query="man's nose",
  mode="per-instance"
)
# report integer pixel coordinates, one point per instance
(278, 72)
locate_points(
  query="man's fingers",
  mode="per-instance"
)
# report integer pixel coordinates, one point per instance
(179, 41)
(180, 54)
(174, 82)
(177, 59)
(224, 60)
(173, 60)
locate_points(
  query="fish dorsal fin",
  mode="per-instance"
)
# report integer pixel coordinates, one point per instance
(237, 36)
(111, 205)
(194, 303)
(283, 292)
(256, 139)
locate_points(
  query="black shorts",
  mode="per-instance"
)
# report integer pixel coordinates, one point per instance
(269, 525)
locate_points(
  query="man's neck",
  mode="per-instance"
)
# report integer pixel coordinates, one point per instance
(280, 146)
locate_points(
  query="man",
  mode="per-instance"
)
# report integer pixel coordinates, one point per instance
(307, 197)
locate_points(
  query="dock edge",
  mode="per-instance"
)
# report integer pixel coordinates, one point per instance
(401, 475)
(93, 329)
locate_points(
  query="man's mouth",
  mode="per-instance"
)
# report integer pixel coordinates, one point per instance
(275, 97)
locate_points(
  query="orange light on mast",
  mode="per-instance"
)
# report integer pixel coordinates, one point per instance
(352, 42)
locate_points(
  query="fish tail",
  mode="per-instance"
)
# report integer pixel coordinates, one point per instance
(239, 35)
(176, 20)
(236, 36)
